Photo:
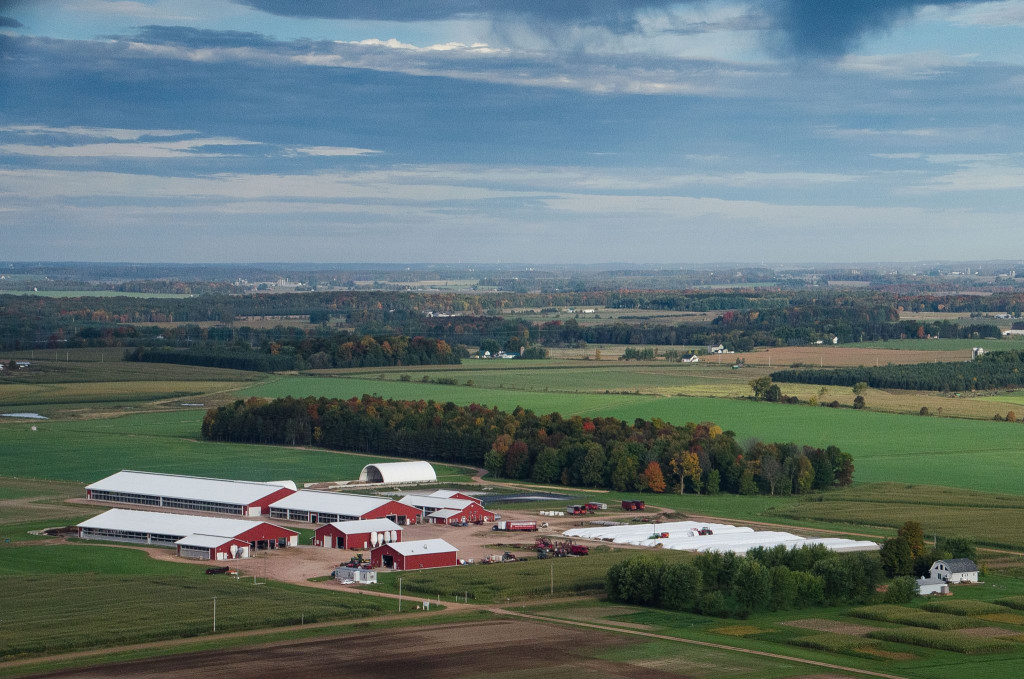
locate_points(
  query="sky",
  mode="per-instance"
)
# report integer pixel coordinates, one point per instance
(536, 131)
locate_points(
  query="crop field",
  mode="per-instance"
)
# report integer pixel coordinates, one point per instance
(106, 596)
(71, 393)
(88, 450)
(94, 293)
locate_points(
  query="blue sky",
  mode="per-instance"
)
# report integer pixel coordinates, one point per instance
(525, 130)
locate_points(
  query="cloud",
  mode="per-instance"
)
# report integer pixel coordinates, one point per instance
(96, 132)
(127, 143)
(803, 27)
(911, 65)
(332, 151)
(8, 22)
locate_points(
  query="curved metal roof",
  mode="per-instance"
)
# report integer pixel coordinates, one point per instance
(398, 472)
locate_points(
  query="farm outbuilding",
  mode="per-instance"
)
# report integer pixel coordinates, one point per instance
(212, 547)
(195, 493)
(926, 586)
(445, 510)
(398, 472)
(357, 534)
(320, 506)
(415, 555)
(161, 528)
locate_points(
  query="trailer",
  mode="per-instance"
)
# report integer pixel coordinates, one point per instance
(576, 510)
(633, 505)
(593, 506)
(515, 526)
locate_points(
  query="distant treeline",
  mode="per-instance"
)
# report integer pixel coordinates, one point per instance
(768, 317)
(599, 452)
(766, 579)
(994, 370)
(338, 350)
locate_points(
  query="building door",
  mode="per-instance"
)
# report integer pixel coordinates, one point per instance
(388, 561)
(328, 539)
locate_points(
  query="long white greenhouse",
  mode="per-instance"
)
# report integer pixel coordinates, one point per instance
(686, 536)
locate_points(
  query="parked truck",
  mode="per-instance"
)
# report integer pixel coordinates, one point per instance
(633, 505)
(515, 525)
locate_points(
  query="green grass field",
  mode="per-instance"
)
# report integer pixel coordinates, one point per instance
(105, 596)
(972, 454)
(941, 344)
(88, 450)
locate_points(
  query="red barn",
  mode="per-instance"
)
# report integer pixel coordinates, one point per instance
(318, 506)
(357, 534)
(414, 555)
(469, 514)
(455, 495)
(213, 547)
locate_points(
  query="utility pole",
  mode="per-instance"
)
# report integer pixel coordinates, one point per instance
(214, 614)
(552, 577)
(399, 595)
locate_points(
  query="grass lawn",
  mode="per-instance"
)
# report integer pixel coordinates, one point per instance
(106, 596)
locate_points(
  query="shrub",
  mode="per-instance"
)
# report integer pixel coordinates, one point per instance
(901, 590)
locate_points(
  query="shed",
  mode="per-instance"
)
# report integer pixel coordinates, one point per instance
(954, 570)
(927, 586)
(429, 504)
(355, 574)
(415, 555)
(212, 547)
(455, 495)
(398, 472)
(472, 513)
(357, 534)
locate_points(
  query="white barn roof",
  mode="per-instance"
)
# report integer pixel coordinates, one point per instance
(448, 493)
(163, 523)
(430, 502)
(188, 487)
(329, 503)
(413, 547)
(203, 541)
(443, 513)
(366, 526)
(398, 472)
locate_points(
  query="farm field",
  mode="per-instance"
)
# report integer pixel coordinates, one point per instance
(95, 293)
(957, 453)
(107, 596)
(88, 450)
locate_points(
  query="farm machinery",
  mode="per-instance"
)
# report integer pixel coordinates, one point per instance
(547, 548)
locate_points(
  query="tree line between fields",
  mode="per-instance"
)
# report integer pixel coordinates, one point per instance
(993, 370)
(766, 579)
(747, 318)
(595, 452)
(337, 350)
(908, 554)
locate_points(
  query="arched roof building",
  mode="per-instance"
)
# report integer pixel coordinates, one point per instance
(398, 472)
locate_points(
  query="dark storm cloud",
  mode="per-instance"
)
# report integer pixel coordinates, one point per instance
(8, 22)
(804, 27)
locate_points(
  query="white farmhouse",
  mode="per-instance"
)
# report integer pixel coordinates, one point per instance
(954, 570)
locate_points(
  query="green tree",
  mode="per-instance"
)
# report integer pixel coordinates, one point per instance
(680, 587)
(912, 532)
(752, 587)
(548, 465)
(896, 557)
(760, 387)
(957, 548)
(592, 468)
(902, 590)
(636, 580)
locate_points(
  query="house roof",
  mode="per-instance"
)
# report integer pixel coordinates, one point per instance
(163, 523)
(399, 472)
(329, 503)
(414, 547)
(188, 487)
(431, 502)
(959, 565)
(366, 526)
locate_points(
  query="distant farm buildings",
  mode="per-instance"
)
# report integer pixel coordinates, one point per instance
(196, 493)
(190, 534)
(398, 472)
(448, 510)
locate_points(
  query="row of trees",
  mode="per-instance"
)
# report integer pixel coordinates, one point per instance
(600, 452)
(994, 370)
(338, 350)
(766, 579)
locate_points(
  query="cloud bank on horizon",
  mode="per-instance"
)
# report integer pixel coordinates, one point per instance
(595, 130)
